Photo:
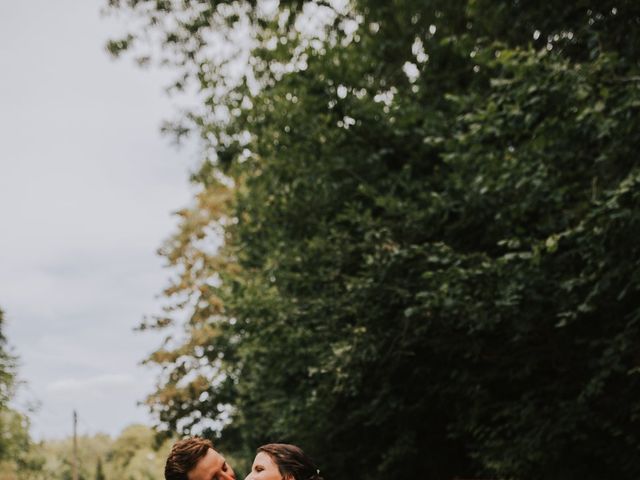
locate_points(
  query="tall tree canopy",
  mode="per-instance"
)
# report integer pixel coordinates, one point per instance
(414, 246)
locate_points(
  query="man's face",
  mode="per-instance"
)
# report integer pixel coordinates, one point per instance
(211, 467)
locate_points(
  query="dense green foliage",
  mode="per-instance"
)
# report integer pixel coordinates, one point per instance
(430, 213)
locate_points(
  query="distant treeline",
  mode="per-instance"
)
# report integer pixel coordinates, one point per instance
(133, 455)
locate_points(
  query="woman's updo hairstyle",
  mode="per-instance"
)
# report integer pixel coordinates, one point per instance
(292, 462)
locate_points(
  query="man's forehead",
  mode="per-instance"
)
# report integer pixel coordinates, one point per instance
(207, 466)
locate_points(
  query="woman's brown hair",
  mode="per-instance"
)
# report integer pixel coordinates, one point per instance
(292, 462)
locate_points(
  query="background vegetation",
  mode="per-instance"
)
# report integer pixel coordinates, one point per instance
(133, 455)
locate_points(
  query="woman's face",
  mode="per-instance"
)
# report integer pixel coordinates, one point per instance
(264, 468)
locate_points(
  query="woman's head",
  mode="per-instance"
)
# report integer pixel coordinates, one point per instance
(280, 461)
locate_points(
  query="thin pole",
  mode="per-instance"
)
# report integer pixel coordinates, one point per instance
(75, 445)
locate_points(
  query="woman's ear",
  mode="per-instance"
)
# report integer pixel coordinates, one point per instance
(288, 476)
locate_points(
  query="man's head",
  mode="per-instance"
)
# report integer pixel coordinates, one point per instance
(195, 459)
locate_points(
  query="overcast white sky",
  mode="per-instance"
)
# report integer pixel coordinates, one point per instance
(87, 187)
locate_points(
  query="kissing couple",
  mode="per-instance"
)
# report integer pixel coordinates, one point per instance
(195, 458)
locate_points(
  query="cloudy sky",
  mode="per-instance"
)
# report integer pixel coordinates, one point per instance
(87, 187)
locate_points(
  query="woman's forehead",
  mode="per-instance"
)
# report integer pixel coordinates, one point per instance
(262, 457)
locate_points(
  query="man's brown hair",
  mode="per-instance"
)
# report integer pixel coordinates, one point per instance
(183, 457)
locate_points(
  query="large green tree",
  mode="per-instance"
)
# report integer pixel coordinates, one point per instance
(428, 213)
